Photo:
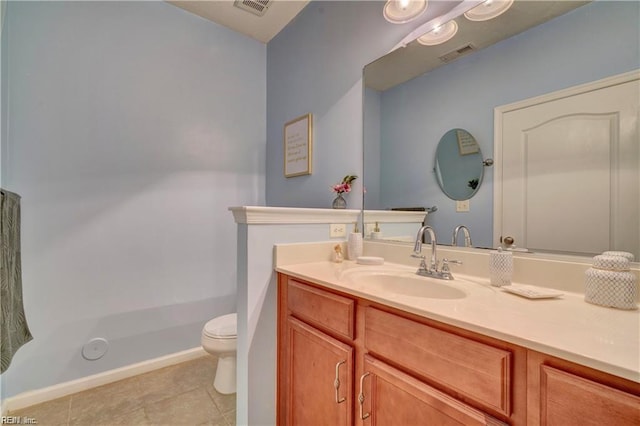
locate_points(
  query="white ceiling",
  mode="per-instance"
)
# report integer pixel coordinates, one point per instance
(262, 28)
(414, 58)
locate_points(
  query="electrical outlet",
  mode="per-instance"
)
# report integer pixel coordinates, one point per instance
(462, 206)
(337, 230)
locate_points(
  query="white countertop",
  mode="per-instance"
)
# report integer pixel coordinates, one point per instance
(567, 327)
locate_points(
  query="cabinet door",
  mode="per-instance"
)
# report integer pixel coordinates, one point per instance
(391, 397)
(320, 385)
(567, 399)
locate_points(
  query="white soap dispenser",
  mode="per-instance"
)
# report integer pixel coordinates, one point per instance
(376, 234)
(354, 244)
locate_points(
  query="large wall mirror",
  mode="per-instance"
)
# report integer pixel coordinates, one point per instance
(416, 94)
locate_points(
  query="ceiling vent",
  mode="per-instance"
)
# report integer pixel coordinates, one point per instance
(448, 57)
(257, 7)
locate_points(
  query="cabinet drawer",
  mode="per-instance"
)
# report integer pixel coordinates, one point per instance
(322, 309)
(569, 399)
(469, 368)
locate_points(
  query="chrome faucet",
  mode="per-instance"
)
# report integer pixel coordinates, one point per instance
(467, 236)
(417, 251)
(432, 269)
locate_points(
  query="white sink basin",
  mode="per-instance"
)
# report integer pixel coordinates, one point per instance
(401, 283)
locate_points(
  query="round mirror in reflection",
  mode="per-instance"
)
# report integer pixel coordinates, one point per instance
(459, 168)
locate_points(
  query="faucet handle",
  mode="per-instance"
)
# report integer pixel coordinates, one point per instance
(423, 265)
(446, 262)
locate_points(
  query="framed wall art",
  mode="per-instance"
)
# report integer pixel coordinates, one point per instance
(298, 146)
(466, 143)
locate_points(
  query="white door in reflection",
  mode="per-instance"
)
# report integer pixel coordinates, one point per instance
(570, 171)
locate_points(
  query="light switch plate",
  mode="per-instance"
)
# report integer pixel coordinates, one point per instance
(462, 206)
(337, 230)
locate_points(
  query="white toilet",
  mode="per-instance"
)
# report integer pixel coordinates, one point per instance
(219, 338)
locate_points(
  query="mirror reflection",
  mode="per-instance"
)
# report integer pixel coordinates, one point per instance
(459, 166)
(404, 121)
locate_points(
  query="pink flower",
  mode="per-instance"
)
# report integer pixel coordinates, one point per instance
(341, 188)
(345, 186)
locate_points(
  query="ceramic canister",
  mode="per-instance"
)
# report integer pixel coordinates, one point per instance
(610, 283)
(624, 254)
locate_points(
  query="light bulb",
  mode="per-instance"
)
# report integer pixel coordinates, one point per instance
(403, 11)
(488, 10)
(439, 34)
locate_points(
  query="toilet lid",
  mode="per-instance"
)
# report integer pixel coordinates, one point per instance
(222, 327)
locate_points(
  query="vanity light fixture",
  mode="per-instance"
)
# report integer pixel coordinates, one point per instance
(403, 11)
(439, 34)
(488, 9)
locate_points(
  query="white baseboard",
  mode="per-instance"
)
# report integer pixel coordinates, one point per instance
(38, 396)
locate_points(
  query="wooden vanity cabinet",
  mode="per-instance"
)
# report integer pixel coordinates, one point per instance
(564, 393)
(409, 373)
(396, 368)
(315, 356)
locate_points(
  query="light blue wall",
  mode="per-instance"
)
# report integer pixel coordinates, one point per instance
(3, 89)
(134, 126)
(589, 43)
(315, 66)
(3, 109)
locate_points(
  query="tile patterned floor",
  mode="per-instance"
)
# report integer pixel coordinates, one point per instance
(182, 394)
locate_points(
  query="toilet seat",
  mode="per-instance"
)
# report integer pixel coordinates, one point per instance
(223, 327)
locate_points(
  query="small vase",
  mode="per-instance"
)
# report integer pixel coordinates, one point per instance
(339, 202)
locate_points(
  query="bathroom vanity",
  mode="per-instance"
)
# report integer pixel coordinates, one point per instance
(352, 352)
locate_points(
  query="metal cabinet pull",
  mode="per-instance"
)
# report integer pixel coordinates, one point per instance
(361, 397)
(336, 383)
